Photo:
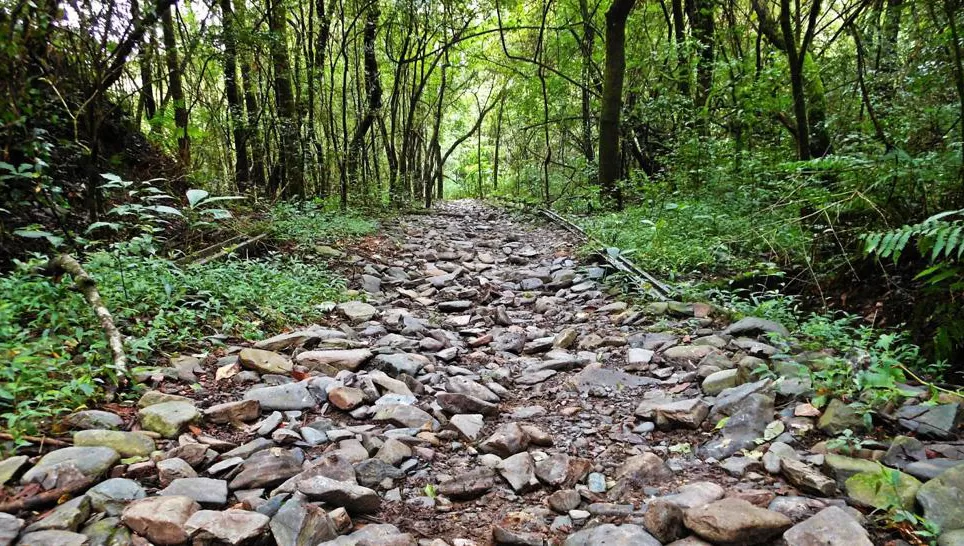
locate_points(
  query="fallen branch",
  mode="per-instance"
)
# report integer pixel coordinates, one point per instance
(230, 249)
(40, 440)
(207, 251)
(65, 263)
(45, 498)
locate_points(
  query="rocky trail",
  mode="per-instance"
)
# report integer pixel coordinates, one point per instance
(489, 388)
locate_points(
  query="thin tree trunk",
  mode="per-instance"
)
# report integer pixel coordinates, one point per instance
(373, 92)
(679, 34)
(147, 101)
(702, 22)
(588, 43)
(293, 174)
(612, 100)
(176, 90)
(235, 106)
(498, 144)
(952, 13)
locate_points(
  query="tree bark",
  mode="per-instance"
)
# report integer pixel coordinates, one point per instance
(176, 90)
(702, 15)
(373, 92)
(292, 172)
(147, 101)
(609, 165)
(235, 106)
(588, 44)
(679, 34)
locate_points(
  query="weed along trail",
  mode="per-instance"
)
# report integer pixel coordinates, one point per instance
(489, 387)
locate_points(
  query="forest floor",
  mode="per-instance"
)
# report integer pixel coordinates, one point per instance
(493, 388)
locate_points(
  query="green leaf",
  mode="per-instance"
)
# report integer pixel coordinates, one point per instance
(32, 233)
(195, 196)
(164, 209)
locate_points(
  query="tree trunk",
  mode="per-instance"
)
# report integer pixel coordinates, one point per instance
(702, 22)
(588, 43)
(952, 12)
(373, 92)
(235, 106)
(176, 90)
(498, 143)
(293, 180)
(796, 82)
(148, 105)
(609, 167)
(679, 34)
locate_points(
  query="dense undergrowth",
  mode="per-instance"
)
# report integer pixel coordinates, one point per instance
(54, 348)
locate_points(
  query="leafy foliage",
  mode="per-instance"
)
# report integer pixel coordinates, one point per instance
(308, 223)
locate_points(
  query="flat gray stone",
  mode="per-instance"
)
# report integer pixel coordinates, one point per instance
(206, 491)
(612, 535)
(90, 461)
(291, 396)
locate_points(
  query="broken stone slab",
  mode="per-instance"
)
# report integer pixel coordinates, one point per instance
(352, 497)
(161, 519)
(91, 462)
(807, 478)
(331, 361)
(756, 326)
(832, 526)
(231, 527)
(299, 523)
(942, 499)
(457, 403)
(610, 534)
(682, 413)
(290, 396)
(168, 419)
(205, 491)
(128, 444)
(298, 338)
(405, 416)
(240, 411)
(263, 361)
(940, 421)
(357, 311)
(732, 521)
(469, 485)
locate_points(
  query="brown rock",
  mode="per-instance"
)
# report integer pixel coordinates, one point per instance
(161, 519)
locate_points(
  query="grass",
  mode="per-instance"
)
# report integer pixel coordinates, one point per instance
(700, 235)
(55, 354)
(312, 222)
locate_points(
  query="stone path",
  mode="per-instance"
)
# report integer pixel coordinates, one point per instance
(490, 390)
